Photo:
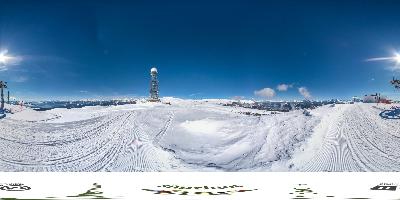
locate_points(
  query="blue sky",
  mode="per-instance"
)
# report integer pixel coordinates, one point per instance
(202, 49)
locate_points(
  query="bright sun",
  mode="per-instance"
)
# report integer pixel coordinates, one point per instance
(394, 58)
(3, 58)
(397, 58)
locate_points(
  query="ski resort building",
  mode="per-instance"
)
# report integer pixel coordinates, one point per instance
(373, 98)
(376, 98)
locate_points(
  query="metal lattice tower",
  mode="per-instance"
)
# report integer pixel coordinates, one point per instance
(154, 85)
(2, 86)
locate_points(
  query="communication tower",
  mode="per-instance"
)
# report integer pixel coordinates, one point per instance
(2, 86)
(154, 86)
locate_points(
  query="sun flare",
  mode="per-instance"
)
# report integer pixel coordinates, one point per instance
(396, 58)
(4, 58)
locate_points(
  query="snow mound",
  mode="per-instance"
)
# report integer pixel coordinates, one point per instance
(203, 127)
(23, 113)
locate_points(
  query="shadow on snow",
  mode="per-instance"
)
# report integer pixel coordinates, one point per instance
(391, 114)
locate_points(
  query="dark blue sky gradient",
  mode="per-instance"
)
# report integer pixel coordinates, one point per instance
(203, 49)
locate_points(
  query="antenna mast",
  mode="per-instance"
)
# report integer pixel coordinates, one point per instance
(2, 86)
(154, 85)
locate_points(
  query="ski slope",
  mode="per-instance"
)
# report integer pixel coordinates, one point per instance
(199, 135)
(359, 140)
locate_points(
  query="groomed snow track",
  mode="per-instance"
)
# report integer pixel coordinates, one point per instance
(206, 137)
(110, 143)
(359, 139)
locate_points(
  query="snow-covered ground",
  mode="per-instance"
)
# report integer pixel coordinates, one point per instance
(203, 135)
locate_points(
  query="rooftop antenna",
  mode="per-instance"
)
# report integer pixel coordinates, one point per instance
(2, 86)
(154, 85)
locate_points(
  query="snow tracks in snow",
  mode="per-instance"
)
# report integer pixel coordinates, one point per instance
(357, 139)
(114, 142)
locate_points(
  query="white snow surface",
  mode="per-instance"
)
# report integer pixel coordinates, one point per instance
(199, 135)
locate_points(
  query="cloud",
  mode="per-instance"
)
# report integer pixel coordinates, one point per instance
(195, 94)
(6, 61)
(3, 68)
(284, 87)
(265, 93)
(238, 97)
(304, 92)
(395, 68)
(21, 79)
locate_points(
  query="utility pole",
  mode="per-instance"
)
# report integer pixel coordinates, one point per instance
(8, 96)
(2, 86)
